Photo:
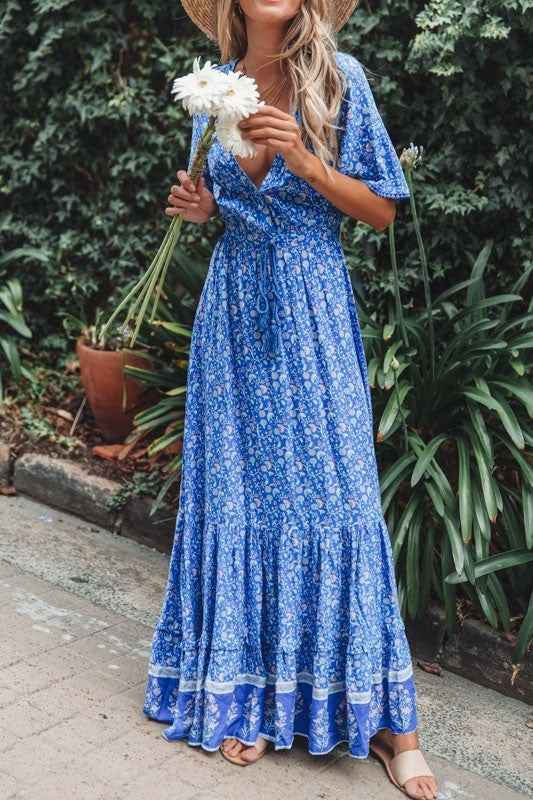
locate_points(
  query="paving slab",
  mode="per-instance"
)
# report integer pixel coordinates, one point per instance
(74, 656)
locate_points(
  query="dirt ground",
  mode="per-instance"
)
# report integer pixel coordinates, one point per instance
(60, 424)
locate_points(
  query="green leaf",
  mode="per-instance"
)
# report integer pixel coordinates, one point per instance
(178, 390)
(427, 563)
(475, 291)
(518, 389)
(486, 481)
(397, 472)
(455, 540)
(399, 534)
(435, 471)
(391, 410)
(435, 496)
(487, 607)
(389, 355)
(480, 512)
(494, 586)
(388, 330)
(426, 457)
(412, 559)
(464, 490)
(512, 558)
(509, 420)
(479, 431)
(448, 589)
(527, 508)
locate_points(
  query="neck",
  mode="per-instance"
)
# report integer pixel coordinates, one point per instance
(262, 46)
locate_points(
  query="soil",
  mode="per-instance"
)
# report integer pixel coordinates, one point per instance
(48, 426)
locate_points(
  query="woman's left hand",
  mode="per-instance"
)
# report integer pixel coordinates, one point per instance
(273, 127)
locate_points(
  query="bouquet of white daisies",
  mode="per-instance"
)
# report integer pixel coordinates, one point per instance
(226, 98)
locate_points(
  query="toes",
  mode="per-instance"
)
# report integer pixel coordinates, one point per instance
(249, 754)
(227, 744)
(430, 788)
(235, 748)
(420, 789)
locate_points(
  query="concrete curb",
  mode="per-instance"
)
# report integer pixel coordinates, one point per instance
(65, 485)
(475, 650)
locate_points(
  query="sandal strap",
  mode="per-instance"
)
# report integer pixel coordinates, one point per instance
(261, 743)
(409, 764)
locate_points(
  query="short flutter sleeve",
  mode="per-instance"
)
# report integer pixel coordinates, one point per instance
(366, 151)
(199, 124)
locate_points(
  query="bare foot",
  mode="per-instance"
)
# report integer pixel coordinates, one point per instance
(235, 748)
(422, 787)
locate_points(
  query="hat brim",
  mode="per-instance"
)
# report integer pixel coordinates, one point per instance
(203, 15)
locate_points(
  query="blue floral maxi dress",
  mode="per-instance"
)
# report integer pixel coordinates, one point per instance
(281, 614)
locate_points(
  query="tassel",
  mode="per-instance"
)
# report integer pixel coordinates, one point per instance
(269, 316)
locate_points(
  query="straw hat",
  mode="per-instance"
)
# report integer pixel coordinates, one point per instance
(203, 14)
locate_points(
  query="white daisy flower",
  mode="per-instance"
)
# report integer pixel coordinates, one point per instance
(202, 90)
(240, 98)
(230, 137)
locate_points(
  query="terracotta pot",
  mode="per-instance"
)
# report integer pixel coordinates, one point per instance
(103, 381)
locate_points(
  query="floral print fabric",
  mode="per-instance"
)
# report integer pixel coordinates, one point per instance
(281, 615)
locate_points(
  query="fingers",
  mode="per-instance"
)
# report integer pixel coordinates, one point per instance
(185, 180)
(259, 134)
(184, 196)
(271, 111)
(265, 128)
(253, 122)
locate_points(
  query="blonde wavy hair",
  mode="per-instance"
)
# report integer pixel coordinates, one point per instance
(307, 57)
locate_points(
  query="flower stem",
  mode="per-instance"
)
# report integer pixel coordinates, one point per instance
(175, 227)
(126, 300)
(402, 415)
(425, 274)
(156, 273)
(397, 298)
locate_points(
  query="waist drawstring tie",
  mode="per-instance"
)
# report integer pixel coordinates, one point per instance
(268, 310)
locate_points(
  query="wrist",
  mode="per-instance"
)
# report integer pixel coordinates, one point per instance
(314, 171)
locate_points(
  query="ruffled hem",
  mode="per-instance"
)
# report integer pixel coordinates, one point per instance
(205, 719)
(279, 631)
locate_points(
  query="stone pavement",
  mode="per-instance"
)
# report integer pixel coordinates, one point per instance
(77, 609)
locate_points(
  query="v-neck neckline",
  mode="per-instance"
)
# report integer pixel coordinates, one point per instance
(277, 157)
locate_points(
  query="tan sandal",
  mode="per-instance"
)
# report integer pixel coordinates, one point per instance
(401, 768)
(261, 745)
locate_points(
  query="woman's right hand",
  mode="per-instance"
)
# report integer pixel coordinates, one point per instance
(196, 206)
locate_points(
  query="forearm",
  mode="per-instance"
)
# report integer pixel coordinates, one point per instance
(350, 195)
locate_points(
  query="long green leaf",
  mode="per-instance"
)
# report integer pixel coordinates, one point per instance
(392, 410)
(509, 420)
(486, 481)
(426, 457)
(518, 389)
(435, 496)
(512, 558)
(412, 561)
(500, 600)
(398, 535)
(464, 490)
(480, 511)
(397, 472)
(455, 540)
(527, 508)
(427, 563)
(476, 291)
(448, 589)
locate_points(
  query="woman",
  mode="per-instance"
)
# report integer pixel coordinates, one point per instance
(281, 614)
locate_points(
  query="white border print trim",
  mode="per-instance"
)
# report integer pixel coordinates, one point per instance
(392, 676)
